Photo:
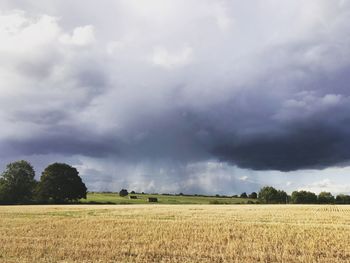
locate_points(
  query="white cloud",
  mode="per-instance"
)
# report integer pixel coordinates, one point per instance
(114, 46)
(243, 178)
(327, 185)
(223, 19)
(164, 58)
(20, 34)
(81, 36)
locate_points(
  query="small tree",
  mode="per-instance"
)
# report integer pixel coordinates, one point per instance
(61, 182)
(17, 182)
(123, 192)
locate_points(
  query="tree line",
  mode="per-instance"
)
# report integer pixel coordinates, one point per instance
(59, 183)
(270, 195)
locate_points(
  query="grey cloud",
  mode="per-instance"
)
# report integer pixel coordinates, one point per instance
(64, 140)
(311, 146)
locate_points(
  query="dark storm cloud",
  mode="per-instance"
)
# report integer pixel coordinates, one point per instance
(312, 146)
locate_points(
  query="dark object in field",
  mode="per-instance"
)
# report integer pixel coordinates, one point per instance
(152, 199)
(132, 197)
(123, 192)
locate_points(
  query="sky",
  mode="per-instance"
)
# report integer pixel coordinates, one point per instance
(192, 96)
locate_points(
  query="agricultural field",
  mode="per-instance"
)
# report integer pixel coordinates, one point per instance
(114, 198)
(175, 233)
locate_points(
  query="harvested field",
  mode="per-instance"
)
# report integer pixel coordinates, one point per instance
(175, 233)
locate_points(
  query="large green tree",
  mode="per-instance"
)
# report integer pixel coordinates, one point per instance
(17, 183)
(60, 183)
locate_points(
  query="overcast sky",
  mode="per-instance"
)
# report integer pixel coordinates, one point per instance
(192, 96)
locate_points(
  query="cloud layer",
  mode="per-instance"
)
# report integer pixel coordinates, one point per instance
(260, 85)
